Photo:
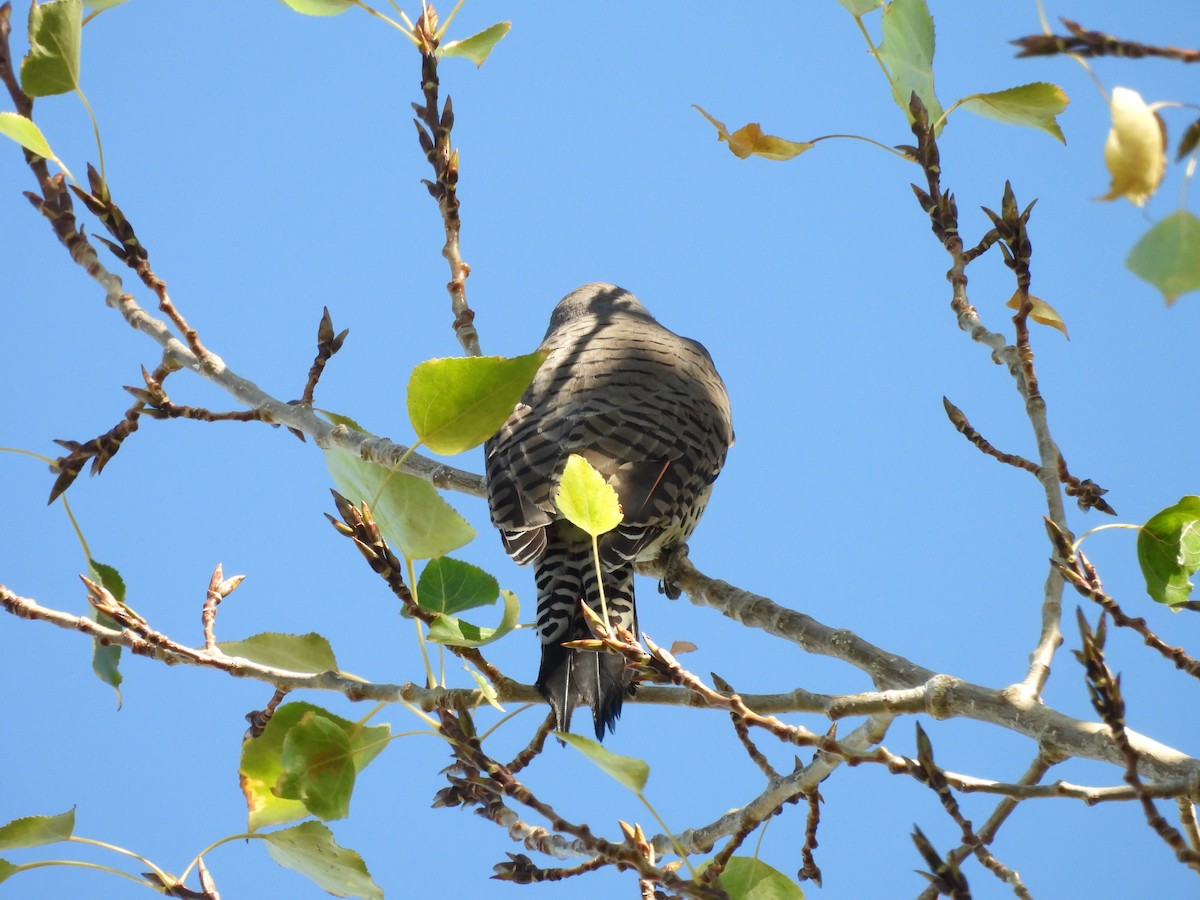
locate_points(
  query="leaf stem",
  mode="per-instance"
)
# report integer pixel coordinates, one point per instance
(377, 14)
(213, 846)
(937, 126)
(370, 715)
(1108, 527)
(441, 32)
(66, 506)
(87, 553)
(79, 864)
(47, 460)
(600, 581)
(505, 718)
(121, 850)
(875, 52)
(95, 131)
(412, 586)
(859, 137)
(420, 713)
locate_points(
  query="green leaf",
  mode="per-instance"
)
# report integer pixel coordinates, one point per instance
(101, 5)
(26, 133)
(1168, 255)
(746, 878)
(110, 578)
(907, 51)
(586, 499)
(1168, 550)
(318, 768)
(311, 850)
(52, 64)
(630, 772)
(477, 47)
(319, 7)
(7, 870)
(458, 403)
(106, 659)
(860, 7)
(486, 688)
(37, 831)
(29, 136)
(1034, 105)
(449, 586)
(338, 419)
(261, 764)
(308, 653)
(410, 512)
(459, 633)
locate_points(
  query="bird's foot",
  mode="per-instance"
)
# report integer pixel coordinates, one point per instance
(672, 558)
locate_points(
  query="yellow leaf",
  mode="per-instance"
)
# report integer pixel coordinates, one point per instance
(585, 499)
(749, 140)
(1042, 312)
(1135, 151)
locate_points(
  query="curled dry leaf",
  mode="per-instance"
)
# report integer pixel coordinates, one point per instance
(1042, 312)
(749, 140)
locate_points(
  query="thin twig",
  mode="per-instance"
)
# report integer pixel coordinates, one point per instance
(1075, 567)
(1012, 237)
(433, 129)
(496, 777)
(99, 450)
(535, 745)
(55, 204)
(959, 420)
(716, 865)
(520, 869)
(358, 525)
(944, 875)
(663, 664)
(809, 870)
(1188, 821)
(1105, 691)
(929, 773)
(130, 250)
(328, 344)
(219, 587)
(743, 733)
(1087, 493)
(259, 719)
(1081, 42)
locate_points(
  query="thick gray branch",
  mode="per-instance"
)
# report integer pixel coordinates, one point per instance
(945, 697)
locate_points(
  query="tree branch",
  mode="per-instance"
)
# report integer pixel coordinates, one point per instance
(1081, 42)
(945, 696)
(433, 130)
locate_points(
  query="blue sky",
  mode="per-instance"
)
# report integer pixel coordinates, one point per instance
(268, 162)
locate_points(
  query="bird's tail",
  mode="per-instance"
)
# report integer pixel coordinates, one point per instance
(567, 677)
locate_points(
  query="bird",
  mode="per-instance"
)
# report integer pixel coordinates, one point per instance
(647, 409)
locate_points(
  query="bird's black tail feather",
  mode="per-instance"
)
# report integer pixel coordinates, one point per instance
(568, 677)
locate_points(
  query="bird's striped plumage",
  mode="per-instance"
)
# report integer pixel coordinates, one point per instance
(646, 408)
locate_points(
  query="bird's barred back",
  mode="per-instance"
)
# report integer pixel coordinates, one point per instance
(647, 409)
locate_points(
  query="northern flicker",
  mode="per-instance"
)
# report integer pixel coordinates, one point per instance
(647, 409)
